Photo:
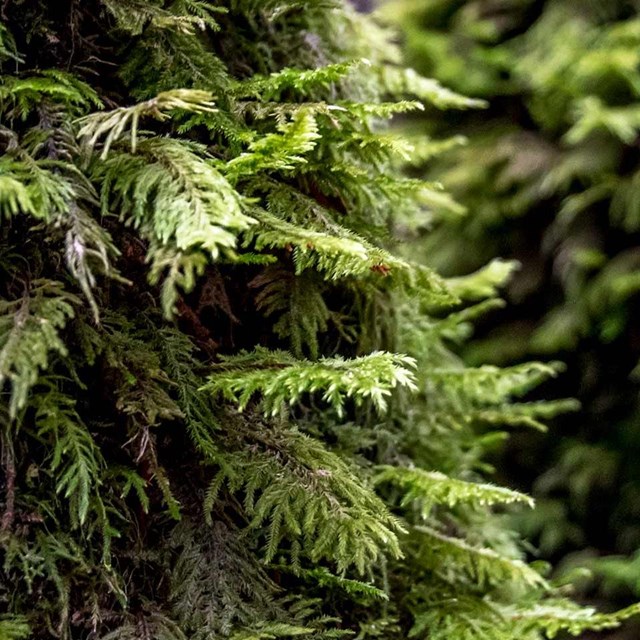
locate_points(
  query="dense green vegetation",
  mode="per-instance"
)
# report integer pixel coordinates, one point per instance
(228, 407)
(549, 177)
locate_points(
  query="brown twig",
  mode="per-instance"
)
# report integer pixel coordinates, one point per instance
(9, 466)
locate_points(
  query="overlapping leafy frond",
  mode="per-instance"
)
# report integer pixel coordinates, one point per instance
(342, 254)
(429, 488)
(279, 379)
(227, 402)
(302, 494)
(556, 619)
(111, 125)
(76, 461)
(29, 335)
(481, 565)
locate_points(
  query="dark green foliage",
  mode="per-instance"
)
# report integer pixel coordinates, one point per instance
(228, 407)
(549, 176)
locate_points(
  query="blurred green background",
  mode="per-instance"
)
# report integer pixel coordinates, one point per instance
(548, 174)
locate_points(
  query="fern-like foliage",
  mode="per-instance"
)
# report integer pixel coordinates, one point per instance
(554, 619)
(280, 379)
(482, 566)
(304, 495)
(29, 334)
(14, 628)
(429, 488)
(174, 195)
(298, 303)
(228, 403)
(112, 124)
(76, 461)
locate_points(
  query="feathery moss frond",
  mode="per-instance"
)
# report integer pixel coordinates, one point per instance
(277, 151)
(174, 194)
(76, 461)
(29, 334)
(302, 81)
(298, 303)
(279, 379)
(20, 96)
(14, 628)
(483, 566)
(409, 82)
(113, 124)
(342, 253)
(428, 488)
(162, 469)
(555, 618)
(304, 494)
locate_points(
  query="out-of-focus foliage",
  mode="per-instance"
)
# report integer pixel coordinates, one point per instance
(549, 174)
